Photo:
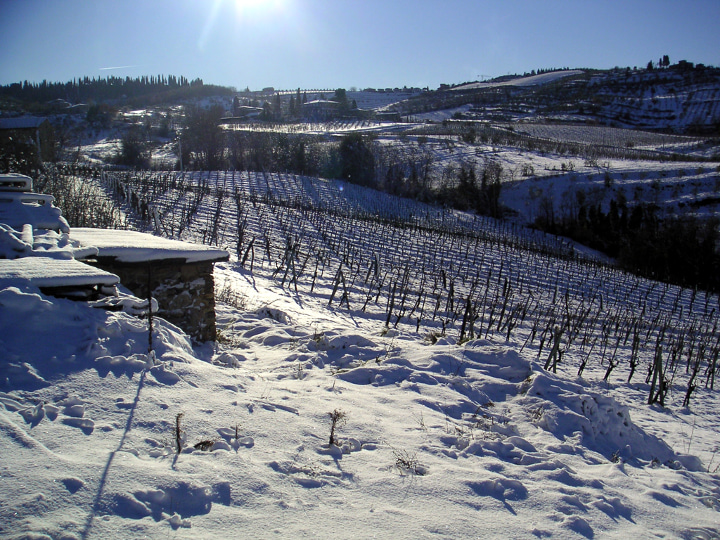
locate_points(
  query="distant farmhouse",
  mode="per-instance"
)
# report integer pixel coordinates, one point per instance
(245, 112)
(29, 129)
(241, 113)
(320, 110)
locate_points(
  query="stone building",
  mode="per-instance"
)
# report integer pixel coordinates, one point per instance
(30, 129)
(38, 247)
(179, 275)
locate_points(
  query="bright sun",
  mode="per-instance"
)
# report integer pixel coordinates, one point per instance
(247, 12)
(244, 6)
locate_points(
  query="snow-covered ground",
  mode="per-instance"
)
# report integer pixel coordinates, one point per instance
(324, 128)
(434, 436)
(689, 189)
(433, 440)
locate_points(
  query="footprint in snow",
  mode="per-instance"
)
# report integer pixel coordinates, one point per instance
(233, 439)
(72, 484)
(578, 525)
(75, 411)
(86, 425)
(33, 415)
(51, 411)
(164, 375)
(73, 406)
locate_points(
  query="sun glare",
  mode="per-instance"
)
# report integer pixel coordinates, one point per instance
(253, 13)
(257, 6)
(244, 4)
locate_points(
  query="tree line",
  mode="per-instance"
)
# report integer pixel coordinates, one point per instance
(86, 89)
(675, 249)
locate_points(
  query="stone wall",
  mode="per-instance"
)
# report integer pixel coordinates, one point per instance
(185, 292)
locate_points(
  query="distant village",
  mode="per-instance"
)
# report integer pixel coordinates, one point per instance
(314, 105)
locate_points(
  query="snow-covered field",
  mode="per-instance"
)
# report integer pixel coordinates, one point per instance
(429, 334)
(435, 440)
(530, 80)
(608, 136)
(677, 189)
(435, 436)
(324, 128)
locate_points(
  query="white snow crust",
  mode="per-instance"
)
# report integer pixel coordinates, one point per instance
(438, 439)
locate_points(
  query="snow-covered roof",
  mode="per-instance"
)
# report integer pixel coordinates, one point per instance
(18, 209)
(322, 102)
(15, 182)
(21, 122)
(245, 110)
(49, 272)
(135, 247)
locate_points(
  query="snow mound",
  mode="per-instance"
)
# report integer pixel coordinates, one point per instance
(44, 337)
(21, 208)
(475, 381)
(570, 411)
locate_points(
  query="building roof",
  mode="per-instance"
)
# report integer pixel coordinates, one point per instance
(22, 122)
(322, 102)
(245, 110)
(48, 272)
(136, 247)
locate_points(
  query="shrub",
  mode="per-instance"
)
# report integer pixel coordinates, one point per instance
(337, 420)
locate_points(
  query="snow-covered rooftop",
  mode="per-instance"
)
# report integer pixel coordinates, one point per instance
(21, 122)
(135, 247)
(15, 182)
(49, 272)
(18, 209)
(323, 102)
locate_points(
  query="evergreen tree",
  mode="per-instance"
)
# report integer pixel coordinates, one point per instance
(203, 136)
(341, 97)
(133, 149)
(357, 163)
(277, 108)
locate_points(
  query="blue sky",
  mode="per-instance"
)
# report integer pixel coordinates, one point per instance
(345, 43)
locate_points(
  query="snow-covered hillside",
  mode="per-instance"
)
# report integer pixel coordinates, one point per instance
(426, 334)
(530, 80)
(681, 98)
(668, 99)
(440, 440)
